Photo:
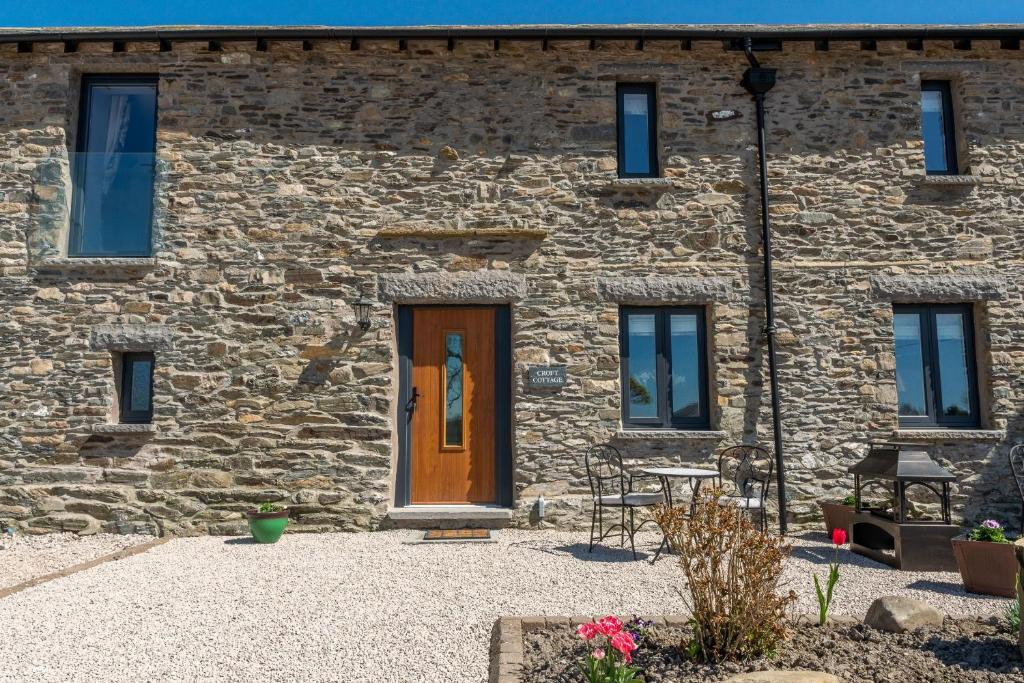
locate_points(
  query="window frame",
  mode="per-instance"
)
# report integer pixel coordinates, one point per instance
(663, 363)
(933, 372)
(944, 88)
(76, 231)
(125, 414)
(651, 91)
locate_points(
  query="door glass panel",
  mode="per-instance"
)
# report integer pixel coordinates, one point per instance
(685, 366)
(116, 170)
(933, 126)
(953, 377)
(453, 386)
(636, 133)
(909, 364)
(643, 366)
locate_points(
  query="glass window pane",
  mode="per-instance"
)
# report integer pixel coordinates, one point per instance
(115, 170)
(933, 126)
(636, 133)
(643, 366)
(909, 364)
(685, 366)
(453, 372)
(142, 371)
(953, 377)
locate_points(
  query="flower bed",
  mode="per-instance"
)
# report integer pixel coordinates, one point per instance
(962, 650)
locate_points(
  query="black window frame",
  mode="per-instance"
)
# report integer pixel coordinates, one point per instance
(933, 373)
(125, 414)
(76, 232)
(665, 419)
(651, 91)
(948, 123)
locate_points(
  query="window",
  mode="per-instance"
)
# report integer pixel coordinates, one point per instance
(136, 387)
(638, 130)
(112, 201)
(936, 379)
(938, 129)
(664, 368)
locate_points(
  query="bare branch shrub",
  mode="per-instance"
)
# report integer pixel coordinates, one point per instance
(732, 572)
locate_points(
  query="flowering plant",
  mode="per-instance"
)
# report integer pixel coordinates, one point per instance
(610, 663)
(825, 597)
(989, 531)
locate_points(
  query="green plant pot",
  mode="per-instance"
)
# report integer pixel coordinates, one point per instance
(267, 527)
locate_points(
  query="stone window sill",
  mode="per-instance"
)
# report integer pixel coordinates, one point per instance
(953, 180)
(670, 434)
(124, 428)
(641, 183)
(98, 263)
(950, 434)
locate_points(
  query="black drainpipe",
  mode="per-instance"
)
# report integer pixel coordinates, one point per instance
(758, 81)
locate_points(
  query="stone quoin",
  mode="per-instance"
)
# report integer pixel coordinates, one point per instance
(294, 174)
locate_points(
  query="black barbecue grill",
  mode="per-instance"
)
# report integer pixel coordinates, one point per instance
(889, 535)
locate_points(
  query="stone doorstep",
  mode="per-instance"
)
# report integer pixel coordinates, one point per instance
(450, 517)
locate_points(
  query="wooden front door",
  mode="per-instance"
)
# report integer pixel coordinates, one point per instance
(452, 437)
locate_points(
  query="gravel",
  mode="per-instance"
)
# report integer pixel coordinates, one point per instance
(27, 557)
(361, 607)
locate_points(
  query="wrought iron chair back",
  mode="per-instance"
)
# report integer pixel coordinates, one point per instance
(605, 472)
(748, 469)
(1017, 468)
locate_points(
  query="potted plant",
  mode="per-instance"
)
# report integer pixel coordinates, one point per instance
(838, 515)
(267, 522)
(986, 561)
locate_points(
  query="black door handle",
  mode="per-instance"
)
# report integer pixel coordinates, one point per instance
(411, 406)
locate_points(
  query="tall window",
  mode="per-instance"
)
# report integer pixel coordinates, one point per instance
(664, 368)
(936, 378)
(638, 130)
(136, 387)
(112, 202)
(938, 129)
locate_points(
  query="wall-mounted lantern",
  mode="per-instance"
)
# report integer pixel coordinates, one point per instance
(362, 307)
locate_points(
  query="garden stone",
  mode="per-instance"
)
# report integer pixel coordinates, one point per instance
(784, 677)
(898, 614)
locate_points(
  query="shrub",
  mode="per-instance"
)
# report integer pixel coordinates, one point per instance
(850, 500)
(989, 531)
(732, 572)
(269, 507)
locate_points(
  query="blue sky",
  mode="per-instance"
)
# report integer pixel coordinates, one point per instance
(413, 12)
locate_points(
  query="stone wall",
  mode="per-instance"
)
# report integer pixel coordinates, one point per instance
(291, 180)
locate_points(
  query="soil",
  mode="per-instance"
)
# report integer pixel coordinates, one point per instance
(962, 650)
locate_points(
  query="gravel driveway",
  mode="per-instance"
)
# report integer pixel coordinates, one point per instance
(27, 557)
(354, 607)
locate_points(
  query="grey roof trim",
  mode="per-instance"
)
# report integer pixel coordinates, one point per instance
(527, 32)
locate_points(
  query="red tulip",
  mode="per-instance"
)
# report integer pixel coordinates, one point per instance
(839, 536)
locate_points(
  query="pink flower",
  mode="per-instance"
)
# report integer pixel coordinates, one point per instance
(609, 626)
(624, 643)
(588, 631)
(839, 536)
(597, 654)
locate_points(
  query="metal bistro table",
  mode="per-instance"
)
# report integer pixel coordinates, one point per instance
(693, 475)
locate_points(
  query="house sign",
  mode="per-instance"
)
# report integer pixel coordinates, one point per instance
(546, 376)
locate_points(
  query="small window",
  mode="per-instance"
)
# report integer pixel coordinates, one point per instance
(664, 368)
(938, 128)
(638, 130)
(112, 200)
(136, 387)
(454, 370)
(936, 377)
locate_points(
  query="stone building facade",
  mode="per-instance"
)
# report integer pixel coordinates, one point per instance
(296, 175)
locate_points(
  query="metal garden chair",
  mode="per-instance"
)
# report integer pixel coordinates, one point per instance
(745, 475)
(612, 487)
(1017, 468)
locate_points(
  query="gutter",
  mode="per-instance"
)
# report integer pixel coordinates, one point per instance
(758, 80)
(1010, 34)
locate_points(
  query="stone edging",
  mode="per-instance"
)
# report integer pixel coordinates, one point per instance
(82, 566)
